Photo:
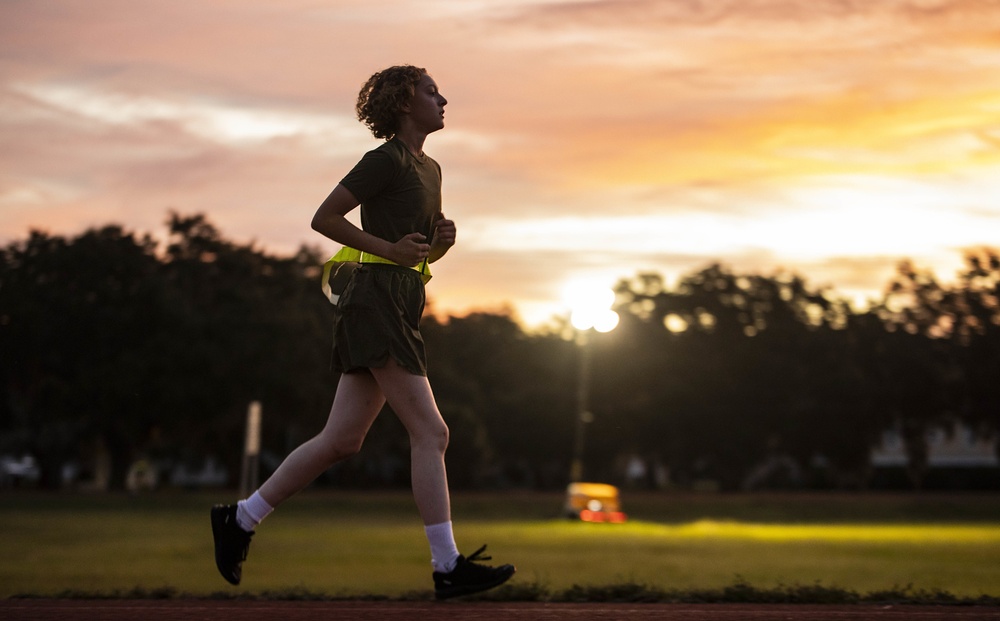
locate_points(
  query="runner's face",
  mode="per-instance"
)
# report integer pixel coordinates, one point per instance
(427, 105)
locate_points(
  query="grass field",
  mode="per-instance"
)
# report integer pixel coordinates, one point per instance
(361, 544)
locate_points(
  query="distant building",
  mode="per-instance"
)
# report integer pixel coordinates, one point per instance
(959, 459)
(960, 449)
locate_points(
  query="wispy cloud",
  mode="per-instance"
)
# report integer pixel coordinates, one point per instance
(606, 136)
(215, 121)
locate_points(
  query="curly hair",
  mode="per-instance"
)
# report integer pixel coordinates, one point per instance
(381, 99)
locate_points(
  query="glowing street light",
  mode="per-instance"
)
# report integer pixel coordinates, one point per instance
(591, 309)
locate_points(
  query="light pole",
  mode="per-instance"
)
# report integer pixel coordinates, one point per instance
(591, 311)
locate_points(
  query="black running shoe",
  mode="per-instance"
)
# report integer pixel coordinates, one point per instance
(231, 543)
(470, 577)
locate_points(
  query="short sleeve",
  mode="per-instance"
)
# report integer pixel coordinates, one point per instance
(370, 176)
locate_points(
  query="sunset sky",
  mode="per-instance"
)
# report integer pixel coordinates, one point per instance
(584, 140)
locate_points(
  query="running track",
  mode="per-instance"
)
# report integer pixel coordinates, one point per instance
(171, 610)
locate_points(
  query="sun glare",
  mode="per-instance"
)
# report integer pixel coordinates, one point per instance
(590, 304)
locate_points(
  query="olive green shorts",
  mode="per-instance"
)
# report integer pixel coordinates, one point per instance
(378, 316)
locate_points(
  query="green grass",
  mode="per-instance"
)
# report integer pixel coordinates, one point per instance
(371, 544)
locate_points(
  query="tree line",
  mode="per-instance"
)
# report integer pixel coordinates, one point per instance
(116, 344)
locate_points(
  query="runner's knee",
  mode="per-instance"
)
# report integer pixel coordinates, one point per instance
(432, 437)
(339, 448)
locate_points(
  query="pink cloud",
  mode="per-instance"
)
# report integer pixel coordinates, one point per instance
(113, 110)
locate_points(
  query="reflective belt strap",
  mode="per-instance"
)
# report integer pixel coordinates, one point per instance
(353, 254)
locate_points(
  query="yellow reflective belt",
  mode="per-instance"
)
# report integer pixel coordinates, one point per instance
(353, 254)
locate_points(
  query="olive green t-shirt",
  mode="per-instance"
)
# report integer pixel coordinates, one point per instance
(400, 193)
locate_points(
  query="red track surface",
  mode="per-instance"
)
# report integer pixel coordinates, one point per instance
(170, 610)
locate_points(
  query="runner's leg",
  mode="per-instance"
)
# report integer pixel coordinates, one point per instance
(355, 407)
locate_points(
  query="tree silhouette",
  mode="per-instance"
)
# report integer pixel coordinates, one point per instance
(76, 317)
(113, 346)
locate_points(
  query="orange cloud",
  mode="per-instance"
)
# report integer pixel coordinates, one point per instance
(567, 121)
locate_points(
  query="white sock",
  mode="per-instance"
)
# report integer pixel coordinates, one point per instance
(444, 552)
(252, 511)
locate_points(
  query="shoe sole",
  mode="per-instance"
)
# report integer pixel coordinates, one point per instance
(218, 524)
(459, 591)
